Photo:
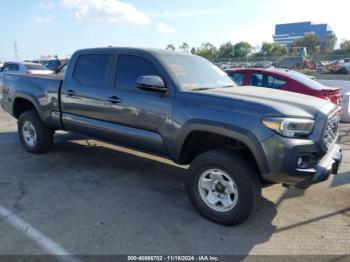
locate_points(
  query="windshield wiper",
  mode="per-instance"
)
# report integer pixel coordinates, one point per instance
(227, 86)
(213, 87)
(201, 88)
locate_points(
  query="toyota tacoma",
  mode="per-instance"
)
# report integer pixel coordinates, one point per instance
(182, 107)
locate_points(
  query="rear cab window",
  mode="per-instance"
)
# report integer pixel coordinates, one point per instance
(93, 69)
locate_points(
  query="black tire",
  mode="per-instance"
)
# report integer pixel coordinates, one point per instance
(44, 135)
(240, 171)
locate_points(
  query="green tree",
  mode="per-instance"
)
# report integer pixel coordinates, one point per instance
(310, 41)
(184, 47)
(345, 45)
(193, 50)
(327, 46)
(242, 49)
(272, 50)
(170, 47)
(226, 50)
(207, 50)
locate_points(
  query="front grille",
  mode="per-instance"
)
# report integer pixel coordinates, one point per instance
(331, 131)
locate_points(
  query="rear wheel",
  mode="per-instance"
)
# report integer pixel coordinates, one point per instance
(223, 187)
(34, 135)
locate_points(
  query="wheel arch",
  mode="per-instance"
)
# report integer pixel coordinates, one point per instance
(22, 103)
(221, 131)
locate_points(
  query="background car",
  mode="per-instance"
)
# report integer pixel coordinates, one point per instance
(25, 67)
(52, 64)
(284, 79)
(61, 70)
(340, 66)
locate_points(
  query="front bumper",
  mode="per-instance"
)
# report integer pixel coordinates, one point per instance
(328, 165)
(282, 156)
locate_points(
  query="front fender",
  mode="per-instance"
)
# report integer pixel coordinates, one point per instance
(232, 131)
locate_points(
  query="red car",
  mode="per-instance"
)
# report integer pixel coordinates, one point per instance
(284, 79)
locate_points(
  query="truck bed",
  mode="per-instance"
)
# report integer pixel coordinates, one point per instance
(43, 91)
(50, 76)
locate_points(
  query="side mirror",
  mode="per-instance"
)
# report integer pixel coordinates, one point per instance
(151, 83)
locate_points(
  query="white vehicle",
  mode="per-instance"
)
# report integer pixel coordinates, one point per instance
(341, 66)
(17, 67)
(31, 68)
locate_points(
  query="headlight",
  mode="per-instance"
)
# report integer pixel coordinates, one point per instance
(289, 127)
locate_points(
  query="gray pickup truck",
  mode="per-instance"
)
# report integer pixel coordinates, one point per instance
(183, 107)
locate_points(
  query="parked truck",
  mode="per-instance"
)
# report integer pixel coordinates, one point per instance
(183, 107)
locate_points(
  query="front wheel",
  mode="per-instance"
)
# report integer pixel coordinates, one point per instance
(35, 136)
(223, 187)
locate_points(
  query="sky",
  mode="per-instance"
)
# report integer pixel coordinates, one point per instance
(49, 27)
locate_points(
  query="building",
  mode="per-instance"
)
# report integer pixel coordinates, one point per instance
(285, 34)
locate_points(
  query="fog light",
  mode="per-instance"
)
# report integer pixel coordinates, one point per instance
(300, 161)
(303, 161)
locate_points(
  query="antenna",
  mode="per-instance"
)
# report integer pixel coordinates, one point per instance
(16, 51)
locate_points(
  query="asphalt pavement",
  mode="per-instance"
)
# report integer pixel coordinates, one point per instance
(87, 197)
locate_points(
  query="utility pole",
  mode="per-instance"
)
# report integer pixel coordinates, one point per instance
(16, 51)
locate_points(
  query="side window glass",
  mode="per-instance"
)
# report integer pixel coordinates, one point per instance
(276, 83)
(6, 68)
(238, 78)
(13, 67)
(92, 69)
(130, 68)
(256, 80)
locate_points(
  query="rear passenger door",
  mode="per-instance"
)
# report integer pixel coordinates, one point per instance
(85, 90)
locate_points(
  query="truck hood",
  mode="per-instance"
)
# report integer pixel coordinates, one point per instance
(277, 101)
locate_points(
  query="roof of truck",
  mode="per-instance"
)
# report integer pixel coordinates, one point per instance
(157, 51)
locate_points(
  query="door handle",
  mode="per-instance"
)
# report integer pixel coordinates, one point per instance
(70, 93)
(114, 100)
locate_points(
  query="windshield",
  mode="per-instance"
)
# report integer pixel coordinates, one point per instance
(35, 67)
(194, 72)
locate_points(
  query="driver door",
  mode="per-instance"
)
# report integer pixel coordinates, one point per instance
(145, 112)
